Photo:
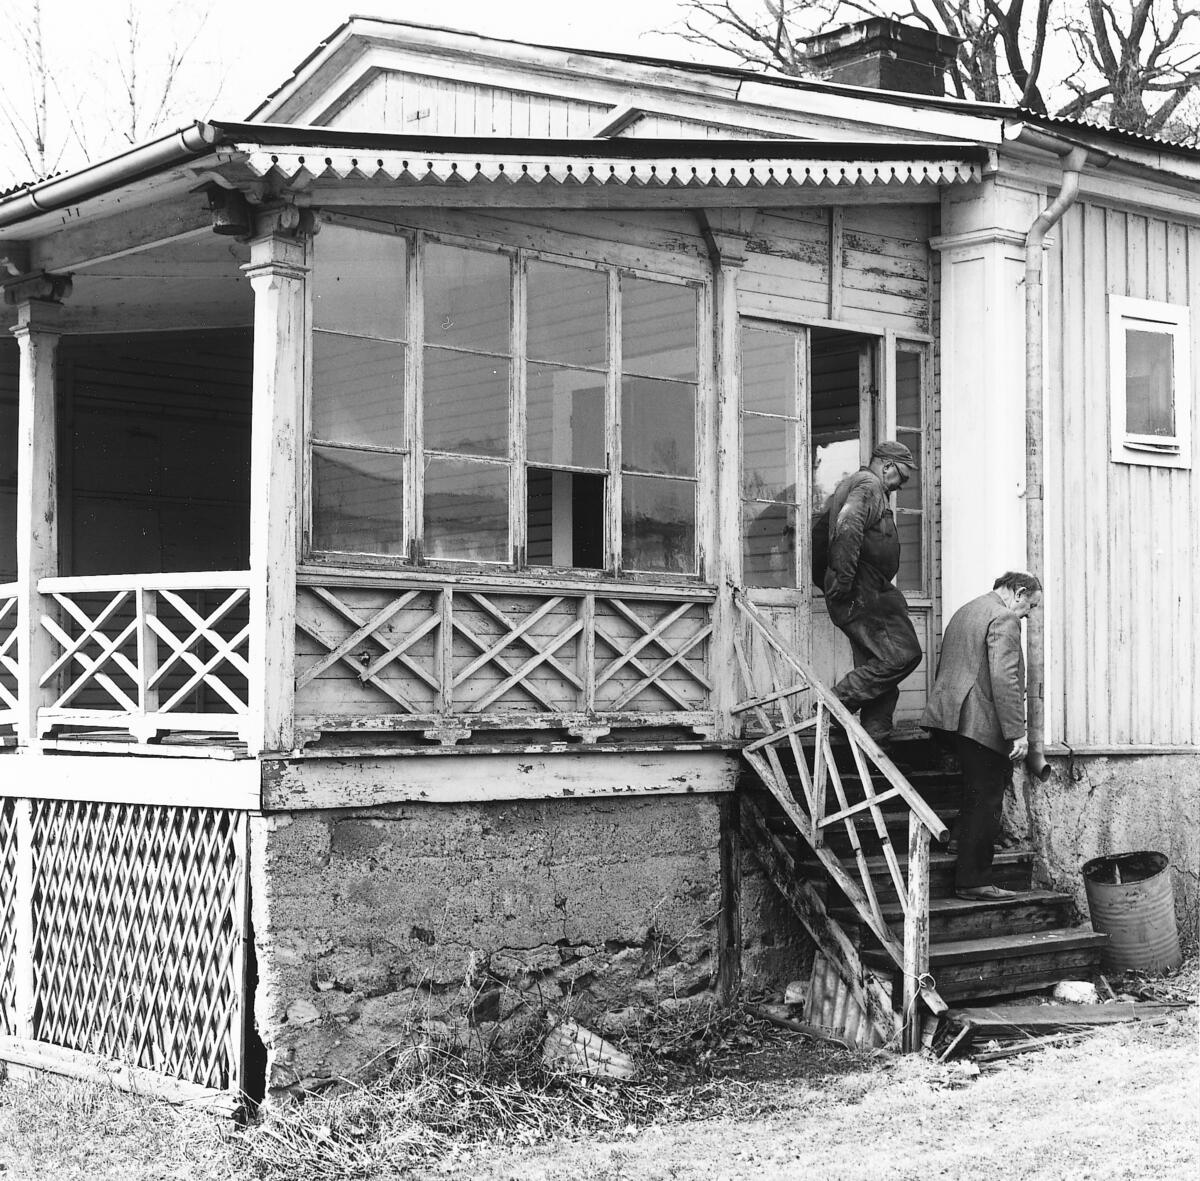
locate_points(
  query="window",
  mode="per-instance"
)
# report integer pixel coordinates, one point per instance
(1150, 382)
(910, 508)
(473, 403)
(772, 368)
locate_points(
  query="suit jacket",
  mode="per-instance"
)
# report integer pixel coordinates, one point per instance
(979, 690)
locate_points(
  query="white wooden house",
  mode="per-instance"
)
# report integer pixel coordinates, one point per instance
(404, 501)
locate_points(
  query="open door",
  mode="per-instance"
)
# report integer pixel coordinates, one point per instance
(775, 484)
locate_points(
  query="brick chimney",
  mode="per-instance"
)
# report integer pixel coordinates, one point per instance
(884, 53)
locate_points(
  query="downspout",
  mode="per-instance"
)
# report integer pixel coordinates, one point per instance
(1035, 239)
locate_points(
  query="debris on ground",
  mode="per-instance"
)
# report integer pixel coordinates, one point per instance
(571, 1047)
(1073, 1011)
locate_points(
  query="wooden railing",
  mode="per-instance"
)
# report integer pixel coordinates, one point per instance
(451, 657)
(9, 656)
(147, 654)
(793, 714)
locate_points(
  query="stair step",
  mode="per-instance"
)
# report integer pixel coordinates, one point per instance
(952, 918)
(1006, 964)
(1011, 868)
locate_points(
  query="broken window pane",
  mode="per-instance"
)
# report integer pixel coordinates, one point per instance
(658, 426)
(358, 282)
(658, 524)
(1149, 383)
(467, 298)
(658, 329)
(567, 314)
(768, 457)
(466, 510)
(466, 403)
(768, 372)
(358, 501)
(769, 552)
(565, 416)
(358, 387)
(565, 519)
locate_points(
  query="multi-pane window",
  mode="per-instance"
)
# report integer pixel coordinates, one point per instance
(773, 360)
(910, 499)
(553, 418)
(359, 442)
(1150, 376)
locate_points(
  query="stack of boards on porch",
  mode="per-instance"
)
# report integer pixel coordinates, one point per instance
(978, 950)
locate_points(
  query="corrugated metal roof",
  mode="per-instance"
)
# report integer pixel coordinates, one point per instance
(286, 151)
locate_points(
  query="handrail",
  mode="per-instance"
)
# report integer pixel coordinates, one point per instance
(766, 687)
(186, 580)
(928, 817)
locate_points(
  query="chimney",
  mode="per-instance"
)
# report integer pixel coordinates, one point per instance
(884, 53)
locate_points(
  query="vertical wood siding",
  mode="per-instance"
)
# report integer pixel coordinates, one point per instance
(413, 104)
(1121, 539)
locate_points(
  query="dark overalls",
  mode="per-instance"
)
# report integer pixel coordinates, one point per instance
(864, 555)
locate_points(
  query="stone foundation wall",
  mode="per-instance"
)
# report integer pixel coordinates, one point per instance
(376, 927)
(776, 949)
(1093, 806)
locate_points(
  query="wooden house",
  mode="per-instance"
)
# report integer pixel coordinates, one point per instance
(404, 499)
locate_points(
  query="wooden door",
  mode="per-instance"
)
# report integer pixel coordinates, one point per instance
(775, 485)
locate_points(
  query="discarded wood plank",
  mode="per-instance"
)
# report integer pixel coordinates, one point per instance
(1028, 1046)
(1106, 987)
(1045, 1018)
(960, 1042)
(813, 1031)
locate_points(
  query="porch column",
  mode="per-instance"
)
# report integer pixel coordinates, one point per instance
(983, 387)
(725, 232)
(276, 271)
(39, 309)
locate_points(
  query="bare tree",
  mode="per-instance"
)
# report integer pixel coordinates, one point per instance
(1136, 62)
(59, 109)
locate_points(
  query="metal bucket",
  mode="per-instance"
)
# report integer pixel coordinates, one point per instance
(1131, 901)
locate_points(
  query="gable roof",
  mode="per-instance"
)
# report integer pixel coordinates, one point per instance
(352, 40)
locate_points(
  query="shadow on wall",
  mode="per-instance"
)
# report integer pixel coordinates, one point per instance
(1092, 807)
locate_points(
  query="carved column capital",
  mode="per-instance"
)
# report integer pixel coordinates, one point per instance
(40, 288)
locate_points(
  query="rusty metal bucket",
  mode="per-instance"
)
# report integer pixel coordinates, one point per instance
(1131, 901)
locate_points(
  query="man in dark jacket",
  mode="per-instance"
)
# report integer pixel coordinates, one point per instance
(979, 698)
(864, 555)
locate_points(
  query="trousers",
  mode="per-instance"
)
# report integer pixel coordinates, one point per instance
(885, 649)
(986, 776)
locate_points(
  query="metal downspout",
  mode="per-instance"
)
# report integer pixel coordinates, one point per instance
(1035, 761)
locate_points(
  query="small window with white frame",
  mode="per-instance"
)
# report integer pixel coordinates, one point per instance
(1150, 380)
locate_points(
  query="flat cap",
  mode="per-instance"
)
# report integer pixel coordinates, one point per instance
(896, 452)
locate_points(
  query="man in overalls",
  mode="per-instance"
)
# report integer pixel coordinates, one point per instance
(864, 555)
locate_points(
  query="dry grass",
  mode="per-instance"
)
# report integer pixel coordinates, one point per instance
(439, 1102)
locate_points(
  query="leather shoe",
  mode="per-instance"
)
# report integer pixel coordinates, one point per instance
(986, 893)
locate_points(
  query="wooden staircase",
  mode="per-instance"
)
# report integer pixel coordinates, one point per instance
(854, 840)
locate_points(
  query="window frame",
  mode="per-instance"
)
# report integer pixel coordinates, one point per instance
(1173, 320)
(516, 458)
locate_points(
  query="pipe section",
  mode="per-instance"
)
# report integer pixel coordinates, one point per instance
(1035, 239)
(175, 148)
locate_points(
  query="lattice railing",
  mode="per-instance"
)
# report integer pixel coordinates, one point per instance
(133, 928)
(146, 654)
(9, 656)
(795, 716)
(430, 655)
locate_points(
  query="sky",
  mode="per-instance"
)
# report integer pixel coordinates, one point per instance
(244, 50)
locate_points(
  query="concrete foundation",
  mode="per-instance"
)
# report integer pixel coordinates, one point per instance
(382, 926)
(1093, 806)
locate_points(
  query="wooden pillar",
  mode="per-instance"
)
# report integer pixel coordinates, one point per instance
(916, 932)
(38, 317)
(726, 231)
(276, 270)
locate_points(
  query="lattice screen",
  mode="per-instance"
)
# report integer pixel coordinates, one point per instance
(8, 919)
(138, 929)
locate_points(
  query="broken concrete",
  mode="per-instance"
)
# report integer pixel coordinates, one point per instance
(379, 927)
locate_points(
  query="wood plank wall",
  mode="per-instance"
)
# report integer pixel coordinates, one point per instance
(409, 103)
(1121, 539)
(9, 371)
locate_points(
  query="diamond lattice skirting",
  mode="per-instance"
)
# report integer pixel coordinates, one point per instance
(122, 935)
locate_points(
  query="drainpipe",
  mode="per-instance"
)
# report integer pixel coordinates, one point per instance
(1035, 761)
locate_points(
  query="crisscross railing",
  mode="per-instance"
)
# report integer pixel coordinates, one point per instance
(147, 653)
(8, 657)
(794, 716)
